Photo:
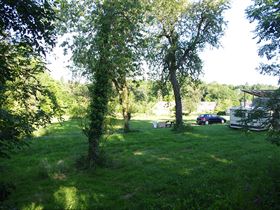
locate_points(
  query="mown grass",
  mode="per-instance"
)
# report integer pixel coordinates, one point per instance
(210, 167)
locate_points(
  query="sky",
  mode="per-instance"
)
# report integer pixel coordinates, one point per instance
(235, 62)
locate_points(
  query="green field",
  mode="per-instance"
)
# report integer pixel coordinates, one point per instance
(210, 167)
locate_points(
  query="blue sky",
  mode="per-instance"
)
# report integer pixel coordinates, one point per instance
(233, 63)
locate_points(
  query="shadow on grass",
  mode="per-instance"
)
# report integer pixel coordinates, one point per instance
(211, 167)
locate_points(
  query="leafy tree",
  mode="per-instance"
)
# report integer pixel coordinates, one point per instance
(103, 47)
(25, 103)
(181, 30)
(266, 14)
(191, 95)
(28, 21)
(225, 95)
(26, 29)
(144, 96)
(77, 99)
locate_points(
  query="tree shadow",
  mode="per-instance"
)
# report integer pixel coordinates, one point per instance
(152, 168)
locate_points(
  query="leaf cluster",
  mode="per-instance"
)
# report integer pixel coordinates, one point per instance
(28, 21)
(26, 32)
(183, 29)
(25, 103)
(266, 13)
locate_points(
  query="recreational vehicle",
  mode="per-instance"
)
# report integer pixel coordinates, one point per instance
(255, 116)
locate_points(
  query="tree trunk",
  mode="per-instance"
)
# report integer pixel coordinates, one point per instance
(124, 102)
(93, 151)
(125, 108)
(178, 100)
(100, 91)
(98, 109)
(171, 61)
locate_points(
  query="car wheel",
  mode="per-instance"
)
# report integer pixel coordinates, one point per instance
(222, 121)
(206, 122)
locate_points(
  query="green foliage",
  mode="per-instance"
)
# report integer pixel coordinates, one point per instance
(191, 94)
(75, 99)
(25, 103)
(26, 31)
(225, 95)
(105, 49)
(143, 96)
(221, 113)
(267, 16)
(274, 106)
(30, 22)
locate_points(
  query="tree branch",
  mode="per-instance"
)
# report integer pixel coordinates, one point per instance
(194, 43)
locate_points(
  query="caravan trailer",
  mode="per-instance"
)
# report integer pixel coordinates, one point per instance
(239, 118)
(244, 116)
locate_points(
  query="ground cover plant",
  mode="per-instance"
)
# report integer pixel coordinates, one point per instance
(211, 167)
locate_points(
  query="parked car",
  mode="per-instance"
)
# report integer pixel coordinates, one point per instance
(205, 119)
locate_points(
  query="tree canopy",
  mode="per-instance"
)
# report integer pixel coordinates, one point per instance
(26, 31)
(266, 13)
(28, 21)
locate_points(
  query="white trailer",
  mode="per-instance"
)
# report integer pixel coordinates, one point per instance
(243, 116)
(237, 121)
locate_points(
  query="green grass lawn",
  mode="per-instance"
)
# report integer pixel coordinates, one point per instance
(211, 167)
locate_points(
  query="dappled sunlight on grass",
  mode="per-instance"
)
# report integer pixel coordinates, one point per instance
(33, 206)
(185, 171)
(221, 160)
(138, 153)
(208, 167)
(116, 137)
(164, 159)
(67, 197)
(69, 127)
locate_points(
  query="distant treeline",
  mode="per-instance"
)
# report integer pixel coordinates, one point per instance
(73, 97)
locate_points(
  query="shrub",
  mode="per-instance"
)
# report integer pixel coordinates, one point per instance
(222, 113)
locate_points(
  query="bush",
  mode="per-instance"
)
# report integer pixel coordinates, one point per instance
(222, 113)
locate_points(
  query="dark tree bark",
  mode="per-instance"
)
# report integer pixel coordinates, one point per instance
(178, 100)
(125, 108)
(172, 69)
(124, 102)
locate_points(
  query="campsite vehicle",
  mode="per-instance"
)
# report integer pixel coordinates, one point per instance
(241, 117)
(245, 115)
(205, 119)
